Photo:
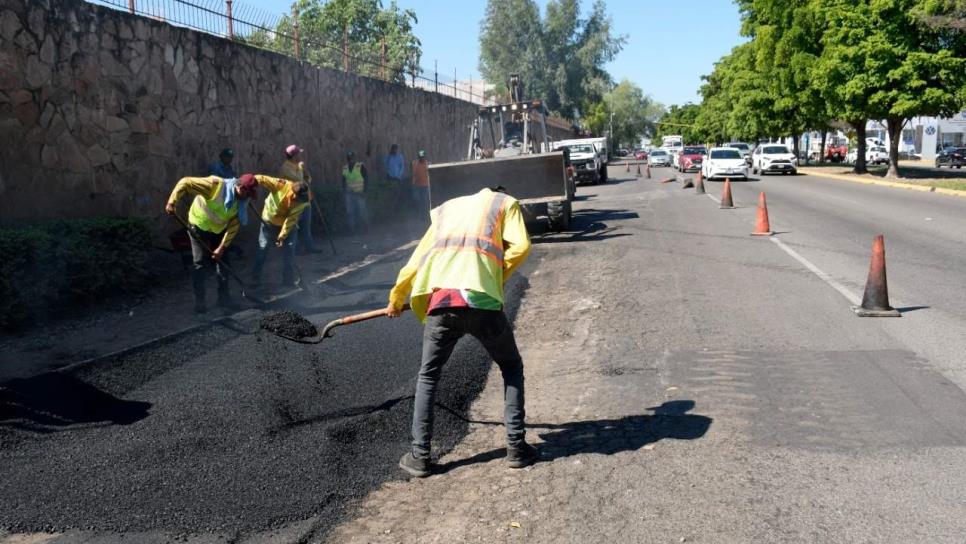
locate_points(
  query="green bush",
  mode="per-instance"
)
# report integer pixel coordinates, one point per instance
(52, 265)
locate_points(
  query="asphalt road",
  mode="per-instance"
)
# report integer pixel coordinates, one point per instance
(230, 430)
(686, 380)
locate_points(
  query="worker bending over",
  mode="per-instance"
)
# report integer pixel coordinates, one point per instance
(218, 208)
(455, 278)
(280, 223)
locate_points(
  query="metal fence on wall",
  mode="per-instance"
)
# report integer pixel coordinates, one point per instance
(280, 33)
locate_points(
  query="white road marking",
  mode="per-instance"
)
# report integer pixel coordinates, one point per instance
(713, 198)
(371, 259)
(853, 298)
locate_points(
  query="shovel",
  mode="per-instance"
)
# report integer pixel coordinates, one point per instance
(326, 331)
(223, 266)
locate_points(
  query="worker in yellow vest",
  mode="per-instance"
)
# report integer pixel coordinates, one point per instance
(218, 209)
(355, 183)
(454, 280)
(293, 169)
(280, 224)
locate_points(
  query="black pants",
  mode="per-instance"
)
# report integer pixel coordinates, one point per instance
(203, 264)
(443, 329)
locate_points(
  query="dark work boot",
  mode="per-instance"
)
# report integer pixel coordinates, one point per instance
(419, 468)
(521, 455)
(225, 302)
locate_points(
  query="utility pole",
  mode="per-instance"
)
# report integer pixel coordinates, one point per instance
(610, 131)
(436, 74)
(130, 6)
(383, 62)
(455, 88)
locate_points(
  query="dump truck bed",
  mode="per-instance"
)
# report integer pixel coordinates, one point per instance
(528, 178)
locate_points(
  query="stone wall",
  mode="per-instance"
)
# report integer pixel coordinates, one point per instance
(102, 112)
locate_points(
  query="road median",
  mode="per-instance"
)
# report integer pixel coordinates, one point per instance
(926, 186)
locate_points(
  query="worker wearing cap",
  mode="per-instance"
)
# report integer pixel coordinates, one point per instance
(420, 185)
(222, 167)
(355, 181)
(280, 222)
(293, 169)
(218, 208)
(454, 280)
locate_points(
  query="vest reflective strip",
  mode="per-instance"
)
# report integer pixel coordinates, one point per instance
(209, 213)
(484, 242)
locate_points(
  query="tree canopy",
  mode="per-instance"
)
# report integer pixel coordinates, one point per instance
(370, 26)
(560, 56)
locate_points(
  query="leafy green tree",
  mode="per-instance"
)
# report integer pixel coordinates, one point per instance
(634, 113)
(680, 120)
(881, 61)
(370, 27)
(560, 57)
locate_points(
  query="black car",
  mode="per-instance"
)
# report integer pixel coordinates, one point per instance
(951, 156)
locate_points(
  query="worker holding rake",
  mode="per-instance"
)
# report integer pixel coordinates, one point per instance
(280, 222)
(455, 278)
(217, 211)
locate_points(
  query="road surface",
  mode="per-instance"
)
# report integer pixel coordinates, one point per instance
(684, 380)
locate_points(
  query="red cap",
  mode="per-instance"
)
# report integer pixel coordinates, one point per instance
(247, 185)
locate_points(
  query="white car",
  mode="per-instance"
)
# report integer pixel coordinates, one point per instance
(875, 154)
(770, 159)
(659, 157)
(724, 162)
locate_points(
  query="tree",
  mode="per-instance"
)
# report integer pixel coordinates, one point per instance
(680, 120)
(559, 57)
(881, 61)
(634, 113)
(369, 27)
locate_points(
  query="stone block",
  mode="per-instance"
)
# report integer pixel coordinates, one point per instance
(21, 96)
(111, 123)
(47, 114)
(38, 74)
(27, 113)
(9, 25)
(71, 155)
(48, 51)
(49, 158)
(124, 31)
(98, 156)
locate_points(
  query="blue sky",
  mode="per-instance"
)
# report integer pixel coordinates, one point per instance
(670, 44)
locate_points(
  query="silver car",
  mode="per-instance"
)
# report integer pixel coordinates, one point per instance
(659, 157)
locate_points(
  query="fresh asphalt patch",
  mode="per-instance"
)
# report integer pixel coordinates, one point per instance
(231, 429)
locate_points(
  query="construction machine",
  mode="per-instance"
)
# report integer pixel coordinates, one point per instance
(519, 158)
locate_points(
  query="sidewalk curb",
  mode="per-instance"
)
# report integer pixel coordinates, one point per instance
(883, 183)
(239, 316)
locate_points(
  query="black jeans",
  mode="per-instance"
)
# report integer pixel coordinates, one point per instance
(203, 263)
(443, 329)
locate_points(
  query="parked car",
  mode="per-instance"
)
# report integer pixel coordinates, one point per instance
(744, 148)
(770, 159)
(873, 155)
(951, 156)
(640, 155)
(659, 157)
(724, 162)
(691, 158)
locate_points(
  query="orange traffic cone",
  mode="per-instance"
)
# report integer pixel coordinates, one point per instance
(688, 183)
(647, 168)
(627, 166)
(762, 228)
(700, 178)
(726, 202)
(875, 301)
(667, 180)
(638, 169)
(699, 185)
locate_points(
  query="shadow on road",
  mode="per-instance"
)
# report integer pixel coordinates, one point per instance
(55, 401)
(587, 226)
(606, 436)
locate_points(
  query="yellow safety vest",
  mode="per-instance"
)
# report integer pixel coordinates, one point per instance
(353, 178)
(279, 205)
(209, 214)
(467, 252)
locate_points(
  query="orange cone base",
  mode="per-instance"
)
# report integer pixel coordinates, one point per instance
(668, 180)
(862, 312)
(768, 233)
(723, 207)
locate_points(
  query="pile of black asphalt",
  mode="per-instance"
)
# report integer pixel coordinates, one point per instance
(229, 430)
(288, 323)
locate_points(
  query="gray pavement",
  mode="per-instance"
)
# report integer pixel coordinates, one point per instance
(686, 381)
